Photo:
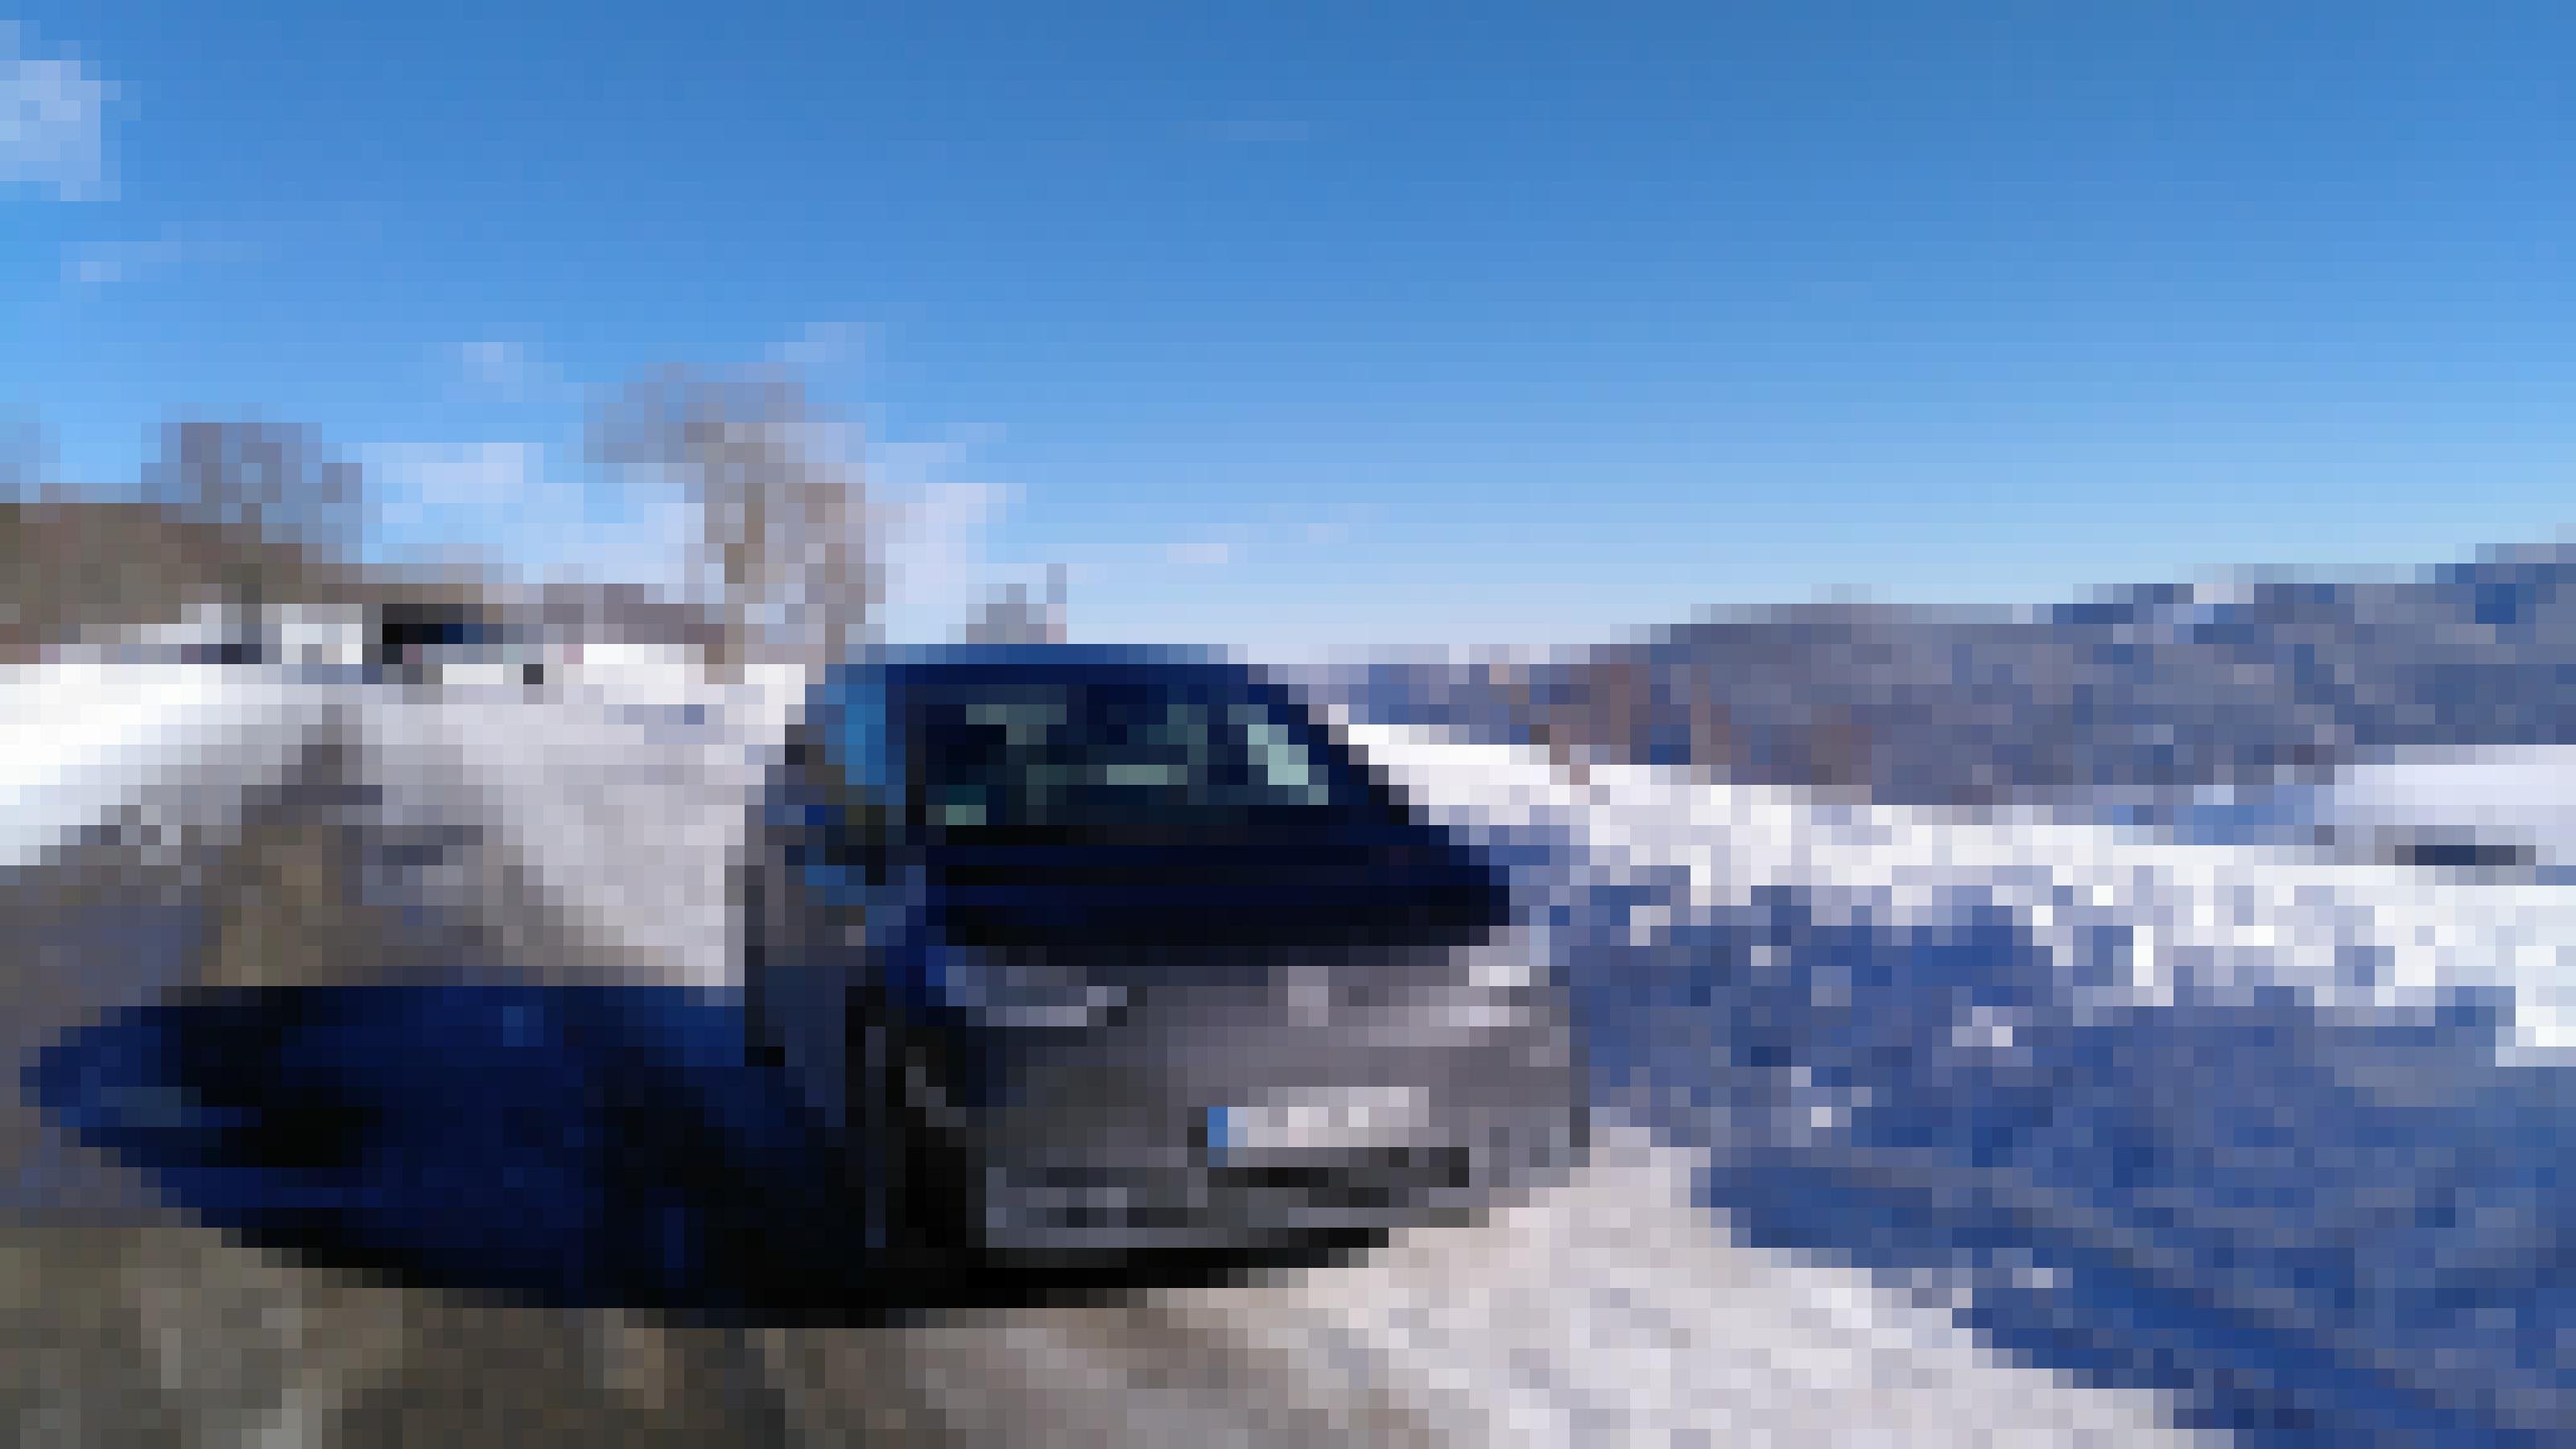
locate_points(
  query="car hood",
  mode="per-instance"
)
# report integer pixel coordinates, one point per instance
(1308, 895)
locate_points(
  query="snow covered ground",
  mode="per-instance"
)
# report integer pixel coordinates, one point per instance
(2521, 796)
(629, 809)
(1892, 1096)
(2275, 1129)
(1610, 1311)
(172, 749)
(2188, 921)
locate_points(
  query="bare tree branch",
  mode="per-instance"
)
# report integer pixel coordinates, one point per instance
(1015, 618)
(786, 549)
(273, 479)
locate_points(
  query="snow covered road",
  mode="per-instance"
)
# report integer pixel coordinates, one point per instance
(1617, 1308)
(1612, 1310)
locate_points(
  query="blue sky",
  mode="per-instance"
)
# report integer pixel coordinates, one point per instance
(1338, 324)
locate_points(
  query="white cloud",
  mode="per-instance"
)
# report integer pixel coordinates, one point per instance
(940, 544)
(456, 475)
(937, 530)
(495, 502)
(965, 504)
(52, 120)
(645, 541)
(1207, 553)
(452, 501)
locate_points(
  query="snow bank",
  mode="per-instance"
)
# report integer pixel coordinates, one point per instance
(621, 803)
(2273, 1127)
(167, 750)
(2194, 922)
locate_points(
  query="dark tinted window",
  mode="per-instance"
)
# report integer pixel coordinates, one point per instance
(225, 651)
(1189, 750)
(407, 630)
(2434, 852)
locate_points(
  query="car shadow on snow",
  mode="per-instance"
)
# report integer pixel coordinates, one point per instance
(602, 1146)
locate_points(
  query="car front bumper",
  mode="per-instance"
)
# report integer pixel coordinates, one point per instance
(1249, 1137)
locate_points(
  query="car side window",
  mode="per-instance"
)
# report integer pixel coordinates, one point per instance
(1282, 768)
(973, 760)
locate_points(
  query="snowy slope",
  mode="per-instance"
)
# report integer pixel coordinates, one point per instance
(2194, 922)
(2275, 1129)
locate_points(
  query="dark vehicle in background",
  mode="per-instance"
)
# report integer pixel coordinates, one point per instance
(1091, 951)
(446, 643)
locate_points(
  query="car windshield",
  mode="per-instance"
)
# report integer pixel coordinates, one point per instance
(1187, 751)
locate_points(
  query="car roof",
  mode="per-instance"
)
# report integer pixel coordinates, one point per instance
(1050, 656)
(862, 680)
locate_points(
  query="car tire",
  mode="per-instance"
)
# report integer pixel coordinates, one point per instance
(909, 1184)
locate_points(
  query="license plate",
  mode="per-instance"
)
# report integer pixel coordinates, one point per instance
(1345, 1119)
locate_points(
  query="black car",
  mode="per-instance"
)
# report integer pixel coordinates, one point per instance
(424, 642)
(1087, 951)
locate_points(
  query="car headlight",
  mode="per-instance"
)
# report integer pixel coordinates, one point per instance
(1023, 993)
(1511, 961)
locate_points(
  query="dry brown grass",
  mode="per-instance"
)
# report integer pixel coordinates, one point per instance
(72, 563)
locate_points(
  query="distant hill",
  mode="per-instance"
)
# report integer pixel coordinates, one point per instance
(2152, 687)
(68, 564)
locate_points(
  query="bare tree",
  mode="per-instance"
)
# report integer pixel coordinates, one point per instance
(1612, 701)
(26, 456)
(1532, 715)
(269, 479)
(1712, 725)
(785, 549)
(1015, 618)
